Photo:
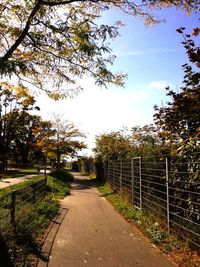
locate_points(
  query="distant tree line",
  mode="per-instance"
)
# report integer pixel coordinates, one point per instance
(26, 139)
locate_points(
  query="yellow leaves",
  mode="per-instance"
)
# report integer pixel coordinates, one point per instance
(54, 95)
(20, 92)
(15, 9)
(28, 101)
(7, 86)
(40, 143)
(196, 32)
(119, 79)
(15, 31)
(51, 155)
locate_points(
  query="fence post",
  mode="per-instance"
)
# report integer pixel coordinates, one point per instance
(12, 209)
(132, 182)
(167, 192)
(140, 172)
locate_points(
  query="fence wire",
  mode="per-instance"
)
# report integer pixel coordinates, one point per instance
(166, 188)
(16, 204)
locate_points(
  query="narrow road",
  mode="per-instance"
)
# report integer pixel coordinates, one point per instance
(12, 181)
(5, 182)
(92, 234)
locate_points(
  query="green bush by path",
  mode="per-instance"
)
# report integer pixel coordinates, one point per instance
(57, 188)
(62, 175)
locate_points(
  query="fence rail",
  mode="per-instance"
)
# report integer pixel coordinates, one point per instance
(167, 188)
(17, 203)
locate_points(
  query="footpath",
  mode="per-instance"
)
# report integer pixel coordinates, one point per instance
(93, 234)
(11, 181)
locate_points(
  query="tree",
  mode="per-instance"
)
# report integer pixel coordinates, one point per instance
(179, 121)
(14, 104)
(192, 49)
(114, 145)
(141, 141)
(66, 139)
(146, 142)
(22, 145)
(49, 42)
(44, 133)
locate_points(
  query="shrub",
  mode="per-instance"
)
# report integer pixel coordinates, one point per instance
(62, 175)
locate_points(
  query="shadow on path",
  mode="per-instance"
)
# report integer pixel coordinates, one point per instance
(4, 255)
(82, 184)
(49, 238)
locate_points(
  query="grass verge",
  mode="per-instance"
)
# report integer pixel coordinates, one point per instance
(6, 190)
(23, 245)
(176, 249)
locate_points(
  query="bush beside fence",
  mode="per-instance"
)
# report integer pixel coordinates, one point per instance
(166, 188)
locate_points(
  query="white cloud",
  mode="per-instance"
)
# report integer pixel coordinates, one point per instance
(97, 110)
(148, 52)
(159, 85)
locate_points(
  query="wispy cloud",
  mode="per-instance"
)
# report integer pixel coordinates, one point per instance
(148, 52)
(159, 85)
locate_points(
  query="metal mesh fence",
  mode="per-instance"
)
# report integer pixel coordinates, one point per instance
(17, 203)
(166, 188)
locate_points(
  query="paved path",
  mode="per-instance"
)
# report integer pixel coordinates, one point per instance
(11, 181)
(92, 234)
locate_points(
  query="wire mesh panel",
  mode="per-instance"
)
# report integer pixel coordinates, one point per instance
(127, 178)
(105, 170)
(110, 172)
(154, 193)
(136, 182)
(16, 204)
(116, 183)
(169, 189)
(5, 214)
(184, 196)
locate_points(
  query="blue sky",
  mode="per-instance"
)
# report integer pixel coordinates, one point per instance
(151, 56)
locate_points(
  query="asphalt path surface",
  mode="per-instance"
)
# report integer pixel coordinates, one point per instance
(12, 181)
(91, 233)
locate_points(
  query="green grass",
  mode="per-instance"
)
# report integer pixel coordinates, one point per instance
(92, 176)
(57, 188)
(62, 175)
(35, 218)
(6, 190)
